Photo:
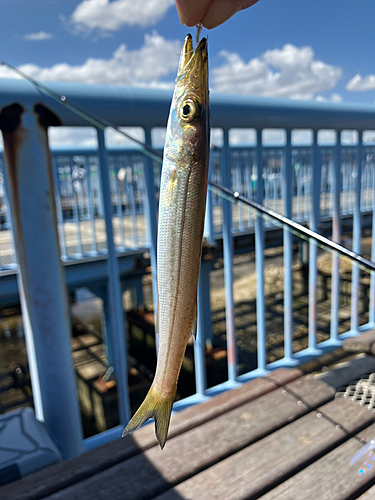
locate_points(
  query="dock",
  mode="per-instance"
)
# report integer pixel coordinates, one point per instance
(284, 436)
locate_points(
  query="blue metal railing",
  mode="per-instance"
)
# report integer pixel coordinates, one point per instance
(106, 203)
(79, 197)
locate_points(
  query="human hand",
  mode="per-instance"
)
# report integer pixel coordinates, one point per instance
(210, 13)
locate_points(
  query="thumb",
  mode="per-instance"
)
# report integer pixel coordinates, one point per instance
(210, 13)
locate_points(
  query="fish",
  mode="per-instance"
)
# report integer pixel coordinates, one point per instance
(182, 206)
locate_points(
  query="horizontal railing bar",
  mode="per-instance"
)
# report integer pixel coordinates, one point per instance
(97, 440)
(72, 150)
(149, 107)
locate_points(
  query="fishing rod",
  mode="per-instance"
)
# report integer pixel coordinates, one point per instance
(149, 151)
(84, 113)
(297, 228)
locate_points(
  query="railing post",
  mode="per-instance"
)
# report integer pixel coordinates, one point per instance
(372, 279)
(41, 278)
(336, 236)
(133, 211)
(206, 266)
(60, 215)
(91, 209)
(118, 334)
(354, 315)
(117, 178)
(226, 179)
(313, 249)
(75, 183)
(199, 344)
(259, 261)
(287, 189)
(151, 219)
(208, 233)
(8, 222)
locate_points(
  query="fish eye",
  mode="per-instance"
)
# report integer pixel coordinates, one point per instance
(189, 109)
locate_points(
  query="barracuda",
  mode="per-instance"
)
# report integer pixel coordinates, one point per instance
(181, 220)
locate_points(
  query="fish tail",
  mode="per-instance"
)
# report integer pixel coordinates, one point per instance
(157, 406)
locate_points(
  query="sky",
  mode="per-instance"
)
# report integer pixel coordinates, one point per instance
(298, 49)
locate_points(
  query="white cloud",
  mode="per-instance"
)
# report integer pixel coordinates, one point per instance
(158, 137)
(359, 84)
(349, 137)
(60, 137)
(327, 137)
(37, 37)
(274, 136)
(239, 136)
(331, 98)
(290, 72)
(115, 139)
(75, 136)
(217, 137)
(302, 137)
(156, 59)
(111, 16)
(336, 98)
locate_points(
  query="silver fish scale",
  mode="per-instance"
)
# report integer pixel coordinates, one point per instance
(180, 234)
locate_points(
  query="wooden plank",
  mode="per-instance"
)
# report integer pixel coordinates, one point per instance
(153, 471)
(259, 467)
(369, 495)
(60, 476)
(365, 342)
(194, 416)
(343, 373)
(331, 477)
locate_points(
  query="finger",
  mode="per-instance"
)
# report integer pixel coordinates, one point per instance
(221, 10)
(191, 12)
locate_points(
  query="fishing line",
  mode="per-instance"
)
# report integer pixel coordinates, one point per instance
(199, 27)
(33, 13)
(14, 25)
(232, 196)
(92, 118)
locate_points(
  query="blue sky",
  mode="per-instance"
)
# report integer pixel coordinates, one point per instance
(317, 49)
(289, 48)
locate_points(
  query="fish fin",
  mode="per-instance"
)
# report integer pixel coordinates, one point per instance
(193, 331)
(157, 406)
(157, 319)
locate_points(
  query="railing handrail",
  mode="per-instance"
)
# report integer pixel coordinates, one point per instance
(148, 108)
(77, 150)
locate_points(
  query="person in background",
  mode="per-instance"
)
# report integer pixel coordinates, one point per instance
(209, 13)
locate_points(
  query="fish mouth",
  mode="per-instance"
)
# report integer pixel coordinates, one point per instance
(193, 63)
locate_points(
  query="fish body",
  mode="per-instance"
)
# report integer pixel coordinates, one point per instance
(181, 220)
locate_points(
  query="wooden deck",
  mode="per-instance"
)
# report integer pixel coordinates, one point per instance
(282, 437)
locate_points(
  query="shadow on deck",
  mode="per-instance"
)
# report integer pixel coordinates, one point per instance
(281, 437)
